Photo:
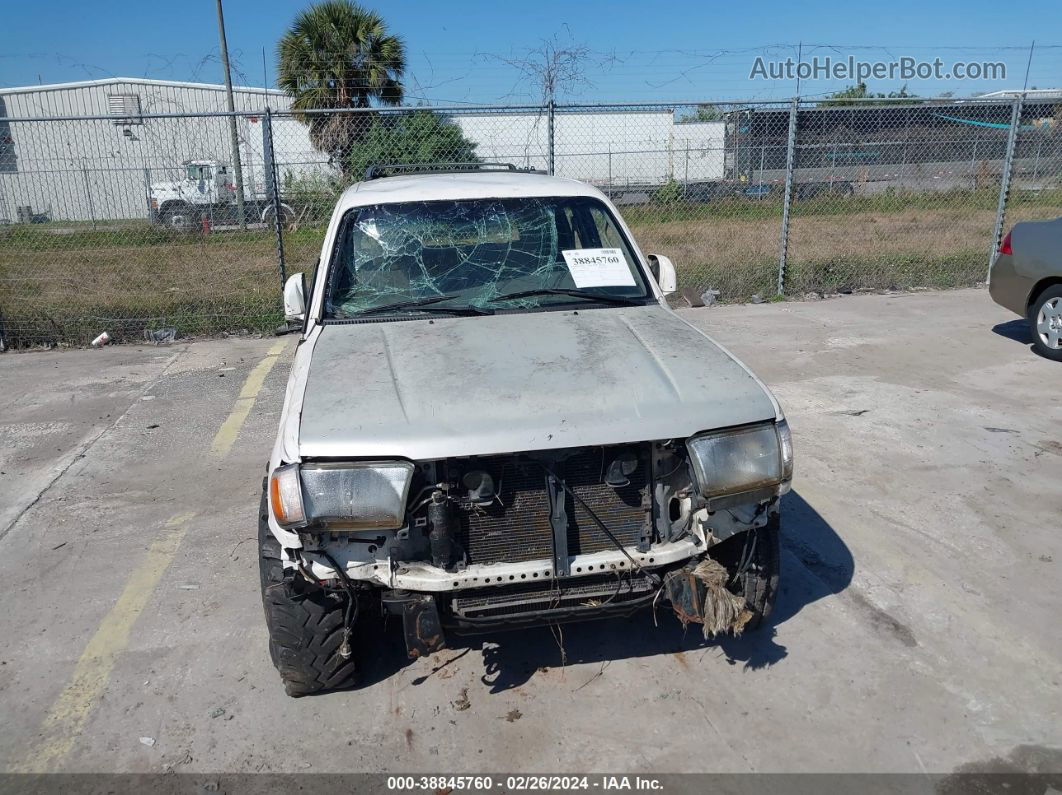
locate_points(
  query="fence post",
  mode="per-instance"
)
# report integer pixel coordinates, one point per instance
(147, 191)
(88, 195)
(790, 158)
(1004, 181)
(273, 192)
(550, 120)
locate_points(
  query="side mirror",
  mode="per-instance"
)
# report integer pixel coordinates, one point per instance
(295, 298)
(664, 271)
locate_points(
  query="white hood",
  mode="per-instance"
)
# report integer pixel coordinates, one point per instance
(427, 389)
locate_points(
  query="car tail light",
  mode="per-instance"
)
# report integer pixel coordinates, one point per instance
(1004, 247)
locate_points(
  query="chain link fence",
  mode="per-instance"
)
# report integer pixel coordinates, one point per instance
(140, 224)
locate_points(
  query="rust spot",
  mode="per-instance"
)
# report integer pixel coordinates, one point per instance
(409, 739)
(680, 658)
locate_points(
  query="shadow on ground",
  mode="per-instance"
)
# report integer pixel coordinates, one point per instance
(815, 564)
(1017, 330)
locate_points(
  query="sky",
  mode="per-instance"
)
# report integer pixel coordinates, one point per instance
(460, 52)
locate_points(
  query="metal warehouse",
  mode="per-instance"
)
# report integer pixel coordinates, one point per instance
(75, 169)
(101, 168)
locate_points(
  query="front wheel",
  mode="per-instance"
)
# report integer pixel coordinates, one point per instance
(287, 215)
(1045, 322)
(752, 560)
(180, 217)
(306, 624)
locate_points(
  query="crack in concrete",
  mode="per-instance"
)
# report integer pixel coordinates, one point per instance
(87, 445)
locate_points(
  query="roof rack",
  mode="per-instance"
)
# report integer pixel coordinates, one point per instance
(379, 170)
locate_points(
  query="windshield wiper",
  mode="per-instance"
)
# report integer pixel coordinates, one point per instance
(619, 300)
(417, 303)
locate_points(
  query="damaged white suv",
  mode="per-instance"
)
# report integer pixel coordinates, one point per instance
(494, 420)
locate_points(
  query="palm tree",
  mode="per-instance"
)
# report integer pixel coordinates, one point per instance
(339, 55)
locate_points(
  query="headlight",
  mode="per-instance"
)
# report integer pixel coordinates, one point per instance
(285, 496)
(742, 460)
(367, 495)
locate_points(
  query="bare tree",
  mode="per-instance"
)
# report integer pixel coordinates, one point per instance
(555, 67)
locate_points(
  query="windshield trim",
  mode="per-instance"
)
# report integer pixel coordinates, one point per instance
(648, 280)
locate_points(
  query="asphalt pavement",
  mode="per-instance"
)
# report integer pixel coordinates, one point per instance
(917, 627)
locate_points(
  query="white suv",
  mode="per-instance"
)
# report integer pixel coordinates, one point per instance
(494, 420)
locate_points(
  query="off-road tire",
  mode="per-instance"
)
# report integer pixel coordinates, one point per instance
(1050, 294)
(759, 582)
(305, 623)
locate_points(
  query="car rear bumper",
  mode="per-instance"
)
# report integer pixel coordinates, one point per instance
(1007, 288)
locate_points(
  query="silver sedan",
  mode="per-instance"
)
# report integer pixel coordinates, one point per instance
(1026, 278)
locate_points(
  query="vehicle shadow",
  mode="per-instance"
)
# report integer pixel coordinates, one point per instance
(815, 564)
(1017, 330)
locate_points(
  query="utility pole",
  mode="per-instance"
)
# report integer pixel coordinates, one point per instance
(237, 169)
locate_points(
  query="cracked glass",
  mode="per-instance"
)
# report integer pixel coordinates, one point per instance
(468, 253)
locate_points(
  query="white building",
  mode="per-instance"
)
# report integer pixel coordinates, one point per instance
(78, 169)
(100, 168)
(608, 148)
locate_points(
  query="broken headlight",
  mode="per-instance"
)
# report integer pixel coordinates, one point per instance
(369, 495)
(755, 458)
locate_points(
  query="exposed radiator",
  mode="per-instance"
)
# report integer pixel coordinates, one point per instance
(590, 592)
(518, 529)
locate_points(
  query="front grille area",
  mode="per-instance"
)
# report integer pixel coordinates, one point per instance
(518, 529)
(592, 592)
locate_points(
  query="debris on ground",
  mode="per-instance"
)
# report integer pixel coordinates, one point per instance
(756, 298)
(148, 741)
(162, 336)
(462, 703)
(217, 712)
(101, 340)
(514, 715)
(710, 297)
(691, 297)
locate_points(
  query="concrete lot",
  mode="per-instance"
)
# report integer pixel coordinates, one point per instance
(917, 628)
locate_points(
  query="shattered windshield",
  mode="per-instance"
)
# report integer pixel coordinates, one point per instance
(443, 256)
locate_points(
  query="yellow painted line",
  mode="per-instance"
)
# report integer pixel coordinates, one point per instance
(229, 429)
(68, 716)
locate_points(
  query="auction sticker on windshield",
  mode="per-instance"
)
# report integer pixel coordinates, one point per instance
(598, 267)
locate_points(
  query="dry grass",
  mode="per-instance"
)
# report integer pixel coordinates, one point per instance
(915, 248)
(69, 287)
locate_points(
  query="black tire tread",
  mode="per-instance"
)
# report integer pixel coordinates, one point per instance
(759, 583)
(305, 628)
